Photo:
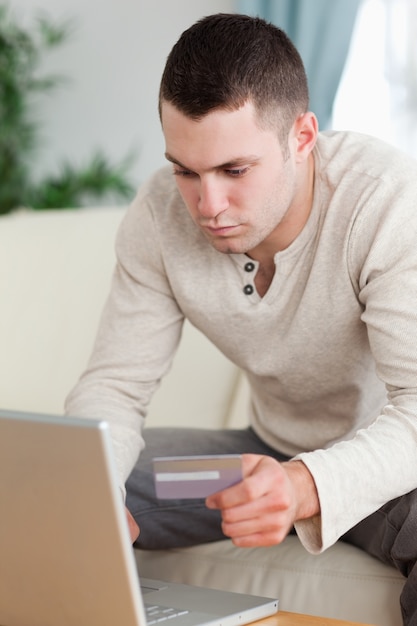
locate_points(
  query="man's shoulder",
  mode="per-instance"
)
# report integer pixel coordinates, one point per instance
(159, 200)
(362, 162)
(160, 185)
(354, 150)
(158, 213)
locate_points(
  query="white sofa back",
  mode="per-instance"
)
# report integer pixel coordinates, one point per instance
(55, 274)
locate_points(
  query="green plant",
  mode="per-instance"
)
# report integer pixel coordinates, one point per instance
(21, 53)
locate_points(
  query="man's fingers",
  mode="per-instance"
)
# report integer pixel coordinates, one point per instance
(274, 525)
(261, 474)
(133, 527)
(260, 510)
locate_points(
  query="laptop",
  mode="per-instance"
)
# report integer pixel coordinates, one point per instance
(65, 553)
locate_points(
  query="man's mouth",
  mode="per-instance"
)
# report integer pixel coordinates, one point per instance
(221, 230)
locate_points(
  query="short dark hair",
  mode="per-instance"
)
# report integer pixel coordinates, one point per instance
(224, 60)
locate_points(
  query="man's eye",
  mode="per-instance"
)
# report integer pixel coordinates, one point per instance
(182, 172)
(237, 172)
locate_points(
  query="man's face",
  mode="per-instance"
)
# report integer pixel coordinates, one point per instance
(238, 183)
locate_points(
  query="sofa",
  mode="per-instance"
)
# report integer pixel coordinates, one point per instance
(55, 270)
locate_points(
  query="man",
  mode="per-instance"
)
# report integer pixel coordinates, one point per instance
(295, 253)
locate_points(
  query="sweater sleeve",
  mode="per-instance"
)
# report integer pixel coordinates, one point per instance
(137, 338)
(354, 478)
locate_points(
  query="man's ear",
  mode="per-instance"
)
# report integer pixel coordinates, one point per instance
(305, 132)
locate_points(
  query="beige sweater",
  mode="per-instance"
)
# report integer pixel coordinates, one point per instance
(330, 351)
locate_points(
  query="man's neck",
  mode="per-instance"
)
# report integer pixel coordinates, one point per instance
(290, 227)
(264, 277)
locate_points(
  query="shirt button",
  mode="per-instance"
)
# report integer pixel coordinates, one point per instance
(249, 266)
(248, 289)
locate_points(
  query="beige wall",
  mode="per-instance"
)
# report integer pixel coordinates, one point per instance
(114, 62)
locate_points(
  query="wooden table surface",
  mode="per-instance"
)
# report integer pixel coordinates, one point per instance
(282, 618)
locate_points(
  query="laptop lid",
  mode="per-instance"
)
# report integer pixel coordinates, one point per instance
(65, 552)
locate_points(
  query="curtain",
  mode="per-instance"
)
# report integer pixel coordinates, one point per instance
(401, 71)
(321, 30)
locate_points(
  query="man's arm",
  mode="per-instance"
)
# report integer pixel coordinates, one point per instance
(138, 335)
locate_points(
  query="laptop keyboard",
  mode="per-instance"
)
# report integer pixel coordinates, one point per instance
(156, 613)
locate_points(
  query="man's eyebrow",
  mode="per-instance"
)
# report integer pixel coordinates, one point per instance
(174, 160)
(235, 162)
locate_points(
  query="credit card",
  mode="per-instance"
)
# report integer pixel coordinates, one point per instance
(195, 476)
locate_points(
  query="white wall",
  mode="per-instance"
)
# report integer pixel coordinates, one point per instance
(114, 61)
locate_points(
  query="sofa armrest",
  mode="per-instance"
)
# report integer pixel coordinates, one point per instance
(238, 410)
(199, 390)
(55, 271)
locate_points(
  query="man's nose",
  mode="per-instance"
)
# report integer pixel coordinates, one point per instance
(212, 198)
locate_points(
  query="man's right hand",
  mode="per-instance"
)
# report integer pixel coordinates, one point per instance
(262, 508)
(133, 527)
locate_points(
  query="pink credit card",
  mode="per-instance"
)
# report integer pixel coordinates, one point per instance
(195, 476)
